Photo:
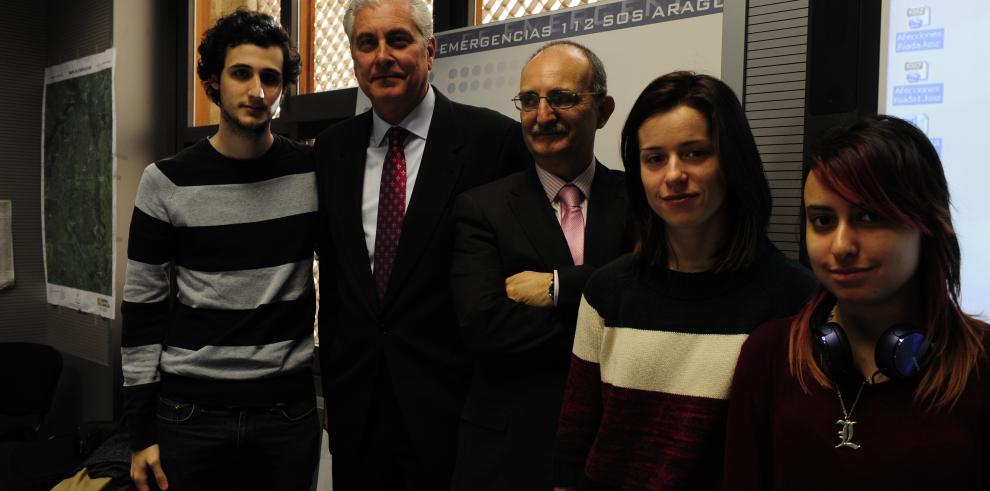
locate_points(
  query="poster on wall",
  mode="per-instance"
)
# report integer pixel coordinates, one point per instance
(78, 190)
(637, 41)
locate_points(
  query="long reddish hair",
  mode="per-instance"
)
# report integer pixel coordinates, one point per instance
(888, 166)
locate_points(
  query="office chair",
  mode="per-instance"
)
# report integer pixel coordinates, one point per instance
(29, 374)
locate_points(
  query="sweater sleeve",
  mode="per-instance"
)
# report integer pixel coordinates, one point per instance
(748, 430)
(145, 309)
(582, 409)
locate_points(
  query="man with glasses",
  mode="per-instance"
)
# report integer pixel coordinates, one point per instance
(524, 247)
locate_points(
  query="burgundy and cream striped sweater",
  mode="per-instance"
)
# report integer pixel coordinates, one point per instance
(653, 358)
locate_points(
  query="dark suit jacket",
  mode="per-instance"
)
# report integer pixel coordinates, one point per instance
(521, 352)
(409, 338)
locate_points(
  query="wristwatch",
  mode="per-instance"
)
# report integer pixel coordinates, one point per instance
(550, 290)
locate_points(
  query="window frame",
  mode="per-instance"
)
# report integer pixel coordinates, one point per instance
(302, 116)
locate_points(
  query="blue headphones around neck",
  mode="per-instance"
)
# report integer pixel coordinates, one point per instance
(900, 352)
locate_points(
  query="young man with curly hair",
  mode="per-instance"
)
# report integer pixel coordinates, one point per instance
(218, 390)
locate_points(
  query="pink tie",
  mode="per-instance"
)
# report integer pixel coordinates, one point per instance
(571, 220)
(391, 208)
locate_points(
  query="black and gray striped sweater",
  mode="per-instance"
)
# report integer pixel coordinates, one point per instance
(240, 235)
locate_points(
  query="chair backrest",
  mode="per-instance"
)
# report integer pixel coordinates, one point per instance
(29, 373)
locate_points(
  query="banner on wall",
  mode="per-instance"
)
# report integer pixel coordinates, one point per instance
(78, 190)
(637, 40)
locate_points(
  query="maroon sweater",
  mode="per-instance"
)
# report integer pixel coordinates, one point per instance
(645, 401)
(778, 437)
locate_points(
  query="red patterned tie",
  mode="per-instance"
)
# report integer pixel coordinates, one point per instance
(391, 208)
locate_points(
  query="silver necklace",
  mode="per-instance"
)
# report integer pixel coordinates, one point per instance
(846, 432)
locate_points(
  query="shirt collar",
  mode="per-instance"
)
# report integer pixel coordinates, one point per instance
(416, 122)
(552, 184)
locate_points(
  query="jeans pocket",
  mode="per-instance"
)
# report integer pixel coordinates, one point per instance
(171, 411)
(295, 411)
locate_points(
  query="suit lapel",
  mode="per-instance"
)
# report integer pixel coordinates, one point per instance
(536, 217)
(349, 185)
(606, 222)
(438, 174)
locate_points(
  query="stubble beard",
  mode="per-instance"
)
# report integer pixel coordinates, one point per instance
(247, 130)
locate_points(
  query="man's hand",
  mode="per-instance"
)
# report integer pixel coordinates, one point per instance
(530, 287)
(140, 462)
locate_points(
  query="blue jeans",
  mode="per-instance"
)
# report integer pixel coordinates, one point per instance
(210, 448)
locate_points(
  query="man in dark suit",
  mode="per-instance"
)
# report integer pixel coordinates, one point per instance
(524, 247)
(394, 369)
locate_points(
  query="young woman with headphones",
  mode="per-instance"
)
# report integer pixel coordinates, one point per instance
(881, 381)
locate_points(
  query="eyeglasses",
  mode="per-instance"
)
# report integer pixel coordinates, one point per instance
(558, 99)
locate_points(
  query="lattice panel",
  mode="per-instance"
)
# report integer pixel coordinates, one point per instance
(219, 8)
(496, 10)
(270, 7)
(332, 64)
(332, 68)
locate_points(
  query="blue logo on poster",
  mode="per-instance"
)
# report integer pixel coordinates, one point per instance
(919, 17)
(916, 71)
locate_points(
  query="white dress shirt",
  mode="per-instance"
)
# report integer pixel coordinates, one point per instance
(417, 123)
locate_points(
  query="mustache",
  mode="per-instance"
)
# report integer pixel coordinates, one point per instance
(548, 129)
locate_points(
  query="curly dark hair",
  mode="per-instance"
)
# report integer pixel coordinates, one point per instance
(242, 27)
